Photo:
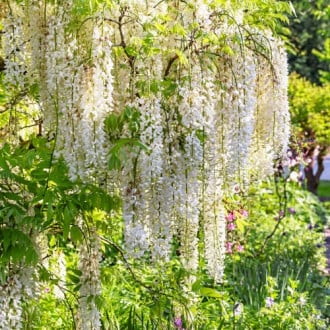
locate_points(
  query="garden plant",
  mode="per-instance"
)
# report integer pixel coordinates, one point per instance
(146, 180)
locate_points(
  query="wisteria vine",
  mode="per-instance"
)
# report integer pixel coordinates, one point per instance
(210, 96)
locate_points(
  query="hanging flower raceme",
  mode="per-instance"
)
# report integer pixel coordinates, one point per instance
(237, 107)
(75, 91)
(281, 122)
(17, 57)
(143, 185)
(272, 129)
(60, 271)
(90, 288)
(94, 106)
(18, 288)
(210, 113)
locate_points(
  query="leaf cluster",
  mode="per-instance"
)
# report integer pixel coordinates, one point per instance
(310, 110)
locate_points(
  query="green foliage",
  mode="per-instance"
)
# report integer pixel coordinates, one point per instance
(286, 271)
(37, 320)
(137, 295)
(37, 198)
(324, 57)
(309, 28)
(324, 189)
(281, 258)
(310, 110)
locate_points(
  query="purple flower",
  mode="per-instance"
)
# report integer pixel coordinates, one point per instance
(178, 323)
(279, 216)
(269, 302)
(291, 210)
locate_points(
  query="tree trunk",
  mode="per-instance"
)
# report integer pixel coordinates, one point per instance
(2, 64)
(313, 180)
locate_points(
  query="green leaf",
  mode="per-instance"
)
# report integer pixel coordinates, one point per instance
(75, 271)
(179, 29)
(16, 246)
(114, 162)
(73, 278)
(76, 234)
(209, 292)
(181, 56)
(160, 27)
(131, 51)
(4, 165)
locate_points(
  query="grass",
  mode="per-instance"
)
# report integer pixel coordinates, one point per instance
(324, 189)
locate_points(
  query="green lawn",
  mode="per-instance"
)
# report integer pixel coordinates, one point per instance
(324, 189)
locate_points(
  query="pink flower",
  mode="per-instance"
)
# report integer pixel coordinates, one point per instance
(230, 217)
(229, 247)
(231, 226)
(244, 213)
(240, 248)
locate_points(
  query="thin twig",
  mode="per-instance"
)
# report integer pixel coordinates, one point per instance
(281, 215)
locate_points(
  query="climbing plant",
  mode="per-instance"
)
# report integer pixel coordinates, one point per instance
(147, 111)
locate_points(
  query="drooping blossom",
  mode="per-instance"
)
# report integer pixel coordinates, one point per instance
(208, 126)
(90, 285)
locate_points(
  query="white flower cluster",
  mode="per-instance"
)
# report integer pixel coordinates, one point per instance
(76, 85)
(95, 104)
(212, 211)
(15, 52)
(213, 114)
(280, 100)
(83, 97)
(90, 289)
(37, 38)
(238, 104)
(60, 271)
(202, 142)
(272, 119)
(18, 288)
(146, 190)
(187, 199)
